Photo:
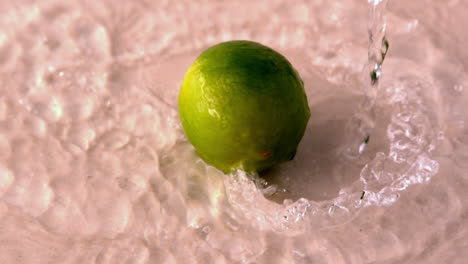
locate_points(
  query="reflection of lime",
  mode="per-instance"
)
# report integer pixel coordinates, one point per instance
(243, 106)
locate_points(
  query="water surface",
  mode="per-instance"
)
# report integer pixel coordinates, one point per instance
(95, 168)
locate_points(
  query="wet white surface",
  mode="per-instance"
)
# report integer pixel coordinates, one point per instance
(94, 166)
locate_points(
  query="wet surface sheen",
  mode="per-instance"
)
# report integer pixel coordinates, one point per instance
(94, 166)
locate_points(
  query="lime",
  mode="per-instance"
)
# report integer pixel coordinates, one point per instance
(243, 106)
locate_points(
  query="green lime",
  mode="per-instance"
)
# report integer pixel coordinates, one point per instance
(243, 106)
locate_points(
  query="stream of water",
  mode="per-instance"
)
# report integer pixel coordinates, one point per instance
(95, 167)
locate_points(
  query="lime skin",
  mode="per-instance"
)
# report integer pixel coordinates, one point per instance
(243, 106)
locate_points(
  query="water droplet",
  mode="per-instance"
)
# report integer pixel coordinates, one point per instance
(458, 87)
(375, 2)
(412, 25)
(362, 147)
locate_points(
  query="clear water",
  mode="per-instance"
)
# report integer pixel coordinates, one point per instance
(94, 166)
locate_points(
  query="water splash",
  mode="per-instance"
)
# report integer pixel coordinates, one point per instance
(410, 135)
